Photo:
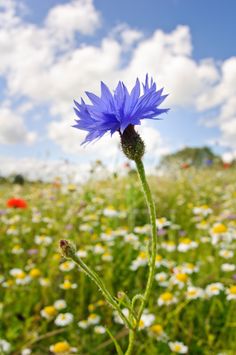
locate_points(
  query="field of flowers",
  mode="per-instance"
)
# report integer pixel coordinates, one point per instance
(48, 306)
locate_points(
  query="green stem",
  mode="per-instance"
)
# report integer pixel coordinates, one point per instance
(153, 251)
(97, 280)
(152, 255)
(132, 334)
(117, 346)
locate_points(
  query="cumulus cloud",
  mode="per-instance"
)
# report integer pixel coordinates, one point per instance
(47, 66)
(126, 35)
(108, 148)
(168, 57)
(222, 95)
(33, 169)
(13, 129)
(76, 16)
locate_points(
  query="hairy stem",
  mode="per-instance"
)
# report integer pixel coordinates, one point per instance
(132, 334)
(152, 255)
(153, 246)
(97, 280)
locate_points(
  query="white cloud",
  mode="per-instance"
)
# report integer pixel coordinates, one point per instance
(155, 145)
(108, 148)
(222, 95)
(8, 10)
(167, 56)
(44, 65)
(228, 157)
(13, 129)
(70, 139)
(126, 35)
(63, 21)
(33, 168)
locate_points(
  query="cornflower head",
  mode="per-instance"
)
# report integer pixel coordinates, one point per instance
(120, 112)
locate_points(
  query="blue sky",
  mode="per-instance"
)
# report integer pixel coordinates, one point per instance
(59, 46)
(212, 23)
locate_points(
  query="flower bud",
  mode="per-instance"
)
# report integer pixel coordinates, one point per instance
(121, 295)
(68, 249)
(132, 144)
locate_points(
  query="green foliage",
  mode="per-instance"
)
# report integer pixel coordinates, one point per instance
(197, 157)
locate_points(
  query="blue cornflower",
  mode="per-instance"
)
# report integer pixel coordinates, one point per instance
(111, 113)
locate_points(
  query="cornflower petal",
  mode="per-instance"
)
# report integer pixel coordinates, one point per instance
(115, 112)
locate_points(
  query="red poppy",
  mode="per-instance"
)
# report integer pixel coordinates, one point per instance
(17, 203)
(185, 166)
(227, 165)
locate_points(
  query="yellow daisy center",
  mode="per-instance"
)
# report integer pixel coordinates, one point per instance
(66, 265)
(161, 220)
(214, 288)
(170, 243)
(205, 207)
(92, 316)
(181, 277)
(167, 296)
(190, 266)
(219, 228)
(185, 241)
(67, 285)
(177, 347)
(60, 347)
(232, 290)
(142, 255)
(157, 329)
(158, 257)
(21, 275)
(50, 310)
(192, 292)
(35, 273)
(141, 323)
(17, 247)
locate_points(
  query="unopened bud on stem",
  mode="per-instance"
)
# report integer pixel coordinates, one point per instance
(68, 249)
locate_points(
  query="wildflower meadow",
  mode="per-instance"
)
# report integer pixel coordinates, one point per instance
(49, 306)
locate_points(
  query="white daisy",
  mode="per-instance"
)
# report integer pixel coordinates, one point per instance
(193, 293)
(178, 347)
(93, 318)
(81, 253)
(157, 331)
(26, 351)
(67, 266)
(117, 318)
(186, 244)
(226, 254)
(231, 293)
(146, 320)
(5, 347)
(141, 260)
(228, 267)
(166, 299)
(64, 319)
(43, 240)
(180, 279)
(60, 304)
(214, 289)
(169, 246)
(162, 223)
(48, 312)
(161, 277)
(99, 329)
(84, 324)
